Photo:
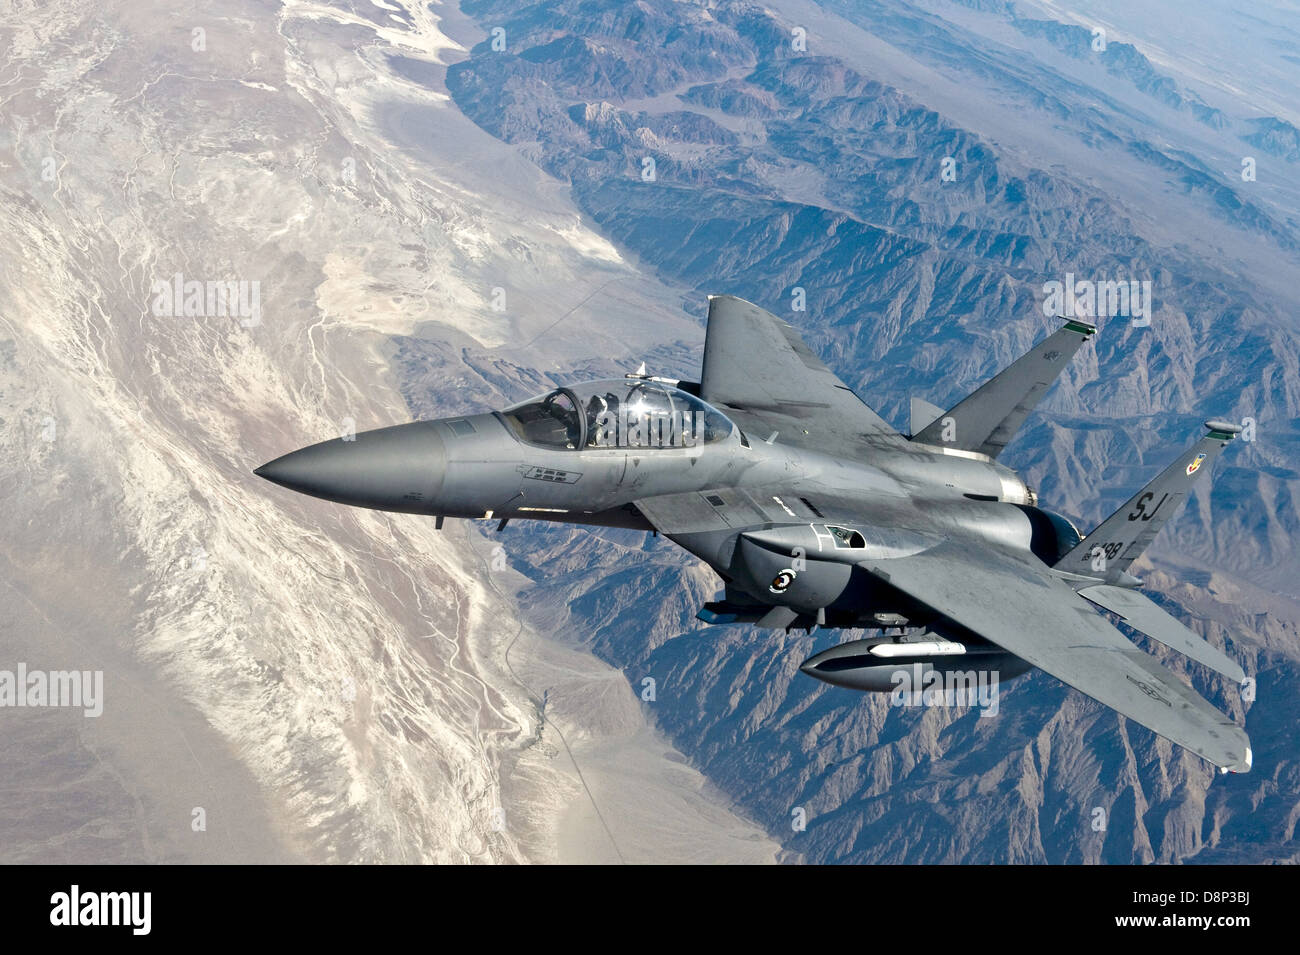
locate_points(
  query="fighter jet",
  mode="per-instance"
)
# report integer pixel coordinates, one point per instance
(816, 513)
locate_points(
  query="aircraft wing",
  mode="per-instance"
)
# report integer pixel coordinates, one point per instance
(1035, 615)
(760, 374)
(1141, 613)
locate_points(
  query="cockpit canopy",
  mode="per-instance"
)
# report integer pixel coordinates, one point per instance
(632, 413)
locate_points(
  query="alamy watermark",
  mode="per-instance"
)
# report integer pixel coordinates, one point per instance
(126, 909)
(178, 297)
(61, 688)
(629, 429)
(917, 686)
(1085, 298)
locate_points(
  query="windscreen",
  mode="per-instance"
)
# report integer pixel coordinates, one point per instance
(627, 413)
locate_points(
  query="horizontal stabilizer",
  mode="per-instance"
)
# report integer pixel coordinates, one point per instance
(1141, 614)
(1124, 536)
(990, 417)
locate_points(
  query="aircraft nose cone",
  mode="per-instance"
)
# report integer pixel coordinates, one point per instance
(391, 469)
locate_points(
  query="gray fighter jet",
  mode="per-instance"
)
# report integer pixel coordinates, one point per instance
(816, 513)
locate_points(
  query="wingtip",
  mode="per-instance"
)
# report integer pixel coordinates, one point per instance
(1241, 767)
(1217, 426)
(720, 297)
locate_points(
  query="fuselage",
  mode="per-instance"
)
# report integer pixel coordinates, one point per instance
(605, 453)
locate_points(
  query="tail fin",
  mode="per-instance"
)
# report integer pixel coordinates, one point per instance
(990, 417)
(1124, 536)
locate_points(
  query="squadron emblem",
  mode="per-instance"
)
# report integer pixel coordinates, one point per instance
(781, 583)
